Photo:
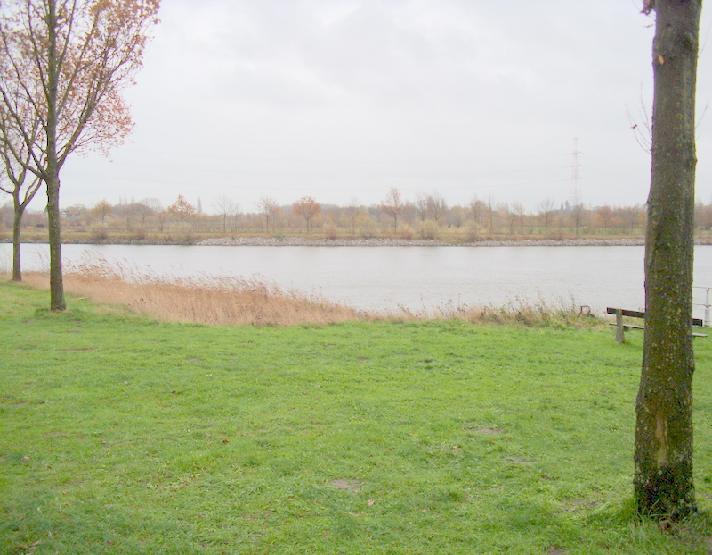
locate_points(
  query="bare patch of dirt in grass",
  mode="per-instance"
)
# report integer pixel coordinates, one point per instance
(578, 504)
(485, 430)
(518, 460)
(348, 485)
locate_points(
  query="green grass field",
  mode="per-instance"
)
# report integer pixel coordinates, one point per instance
(122, 435)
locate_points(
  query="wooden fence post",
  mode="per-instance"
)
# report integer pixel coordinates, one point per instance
(620, 331)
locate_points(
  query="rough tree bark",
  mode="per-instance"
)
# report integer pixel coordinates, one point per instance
(55, 246)
(16, 223)
(663, 433)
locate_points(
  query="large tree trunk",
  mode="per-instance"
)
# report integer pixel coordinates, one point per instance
(663, 434)
(16, 222)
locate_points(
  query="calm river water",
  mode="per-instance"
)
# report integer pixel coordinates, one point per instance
(419, 278)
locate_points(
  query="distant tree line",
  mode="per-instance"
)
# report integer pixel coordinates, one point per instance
(427, 216)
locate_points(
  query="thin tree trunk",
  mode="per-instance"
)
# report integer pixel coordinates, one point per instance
(52, 170)
(55, 247)
(490, 217)
(663, 434)
(16, 222)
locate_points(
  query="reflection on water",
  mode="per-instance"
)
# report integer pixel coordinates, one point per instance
(414, 277)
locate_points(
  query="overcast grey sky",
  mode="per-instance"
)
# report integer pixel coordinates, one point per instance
(343, 99)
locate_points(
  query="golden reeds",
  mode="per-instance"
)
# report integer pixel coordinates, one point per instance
(201, 300)
(232, 301)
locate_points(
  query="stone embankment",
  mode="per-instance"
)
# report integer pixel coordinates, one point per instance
(301, 242)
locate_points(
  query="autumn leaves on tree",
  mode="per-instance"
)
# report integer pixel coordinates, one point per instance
(307, 208)
(63, 66)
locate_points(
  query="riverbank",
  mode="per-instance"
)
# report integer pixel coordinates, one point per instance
(301, 242)
(121, 434)
(304, 242)
(262, 241)
(389, 278)
(233, 301)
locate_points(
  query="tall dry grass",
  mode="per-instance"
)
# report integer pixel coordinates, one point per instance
(202, 301)
(524, 313)
(230, 301)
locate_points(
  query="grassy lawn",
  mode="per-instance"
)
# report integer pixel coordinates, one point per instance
(118, 434)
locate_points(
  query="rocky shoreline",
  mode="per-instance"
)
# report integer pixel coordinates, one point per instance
(301, 242)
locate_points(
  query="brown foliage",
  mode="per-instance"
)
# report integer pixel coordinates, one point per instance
(83, 52)
(307, 208)
(181, 209)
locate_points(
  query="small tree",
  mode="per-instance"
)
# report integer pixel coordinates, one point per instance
(69, 60)
(605, 215)
(161, 217)
(22, 189)
(352, 211)
(393, 206)
(226, 208)
(16, 180)
(478, 209)
(490, 216)
(519, 212)
(546, 209)
(101, 210)
(577, 214)
(181, 209)
(269, 209)
(307, 208)
(421, 207)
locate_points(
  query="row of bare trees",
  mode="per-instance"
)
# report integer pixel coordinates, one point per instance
(429, 216)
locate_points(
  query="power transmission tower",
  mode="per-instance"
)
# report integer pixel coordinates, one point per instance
(575, 173)
(576, 205)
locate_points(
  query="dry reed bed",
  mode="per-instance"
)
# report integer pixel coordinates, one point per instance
(214, 302)
(231, 301)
